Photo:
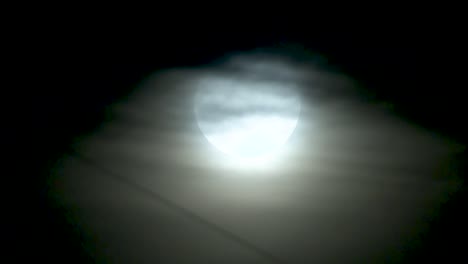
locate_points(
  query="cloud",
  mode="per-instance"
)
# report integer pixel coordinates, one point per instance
(347, 163)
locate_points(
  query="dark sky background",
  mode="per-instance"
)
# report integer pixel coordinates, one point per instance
(79, 69)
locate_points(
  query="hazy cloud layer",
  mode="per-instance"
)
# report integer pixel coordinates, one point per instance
(348, 165)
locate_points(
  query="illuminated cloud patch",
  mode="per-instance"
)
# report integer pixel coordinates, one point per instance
(246, 119)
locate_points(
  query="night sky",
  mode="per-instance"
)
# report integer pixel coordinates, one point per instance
(115, 99)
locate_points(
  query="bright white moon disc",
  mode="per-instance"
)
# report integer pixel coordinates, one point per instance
(246, 119)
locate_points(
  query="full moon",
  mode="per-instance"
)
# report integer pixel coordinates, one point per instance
(246, 119)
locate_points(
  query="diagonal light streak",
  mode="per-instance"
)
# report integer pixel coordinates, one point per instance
(183, 211)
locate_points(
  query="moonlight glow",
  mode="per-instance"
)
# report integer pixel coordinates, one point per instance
(246, 119)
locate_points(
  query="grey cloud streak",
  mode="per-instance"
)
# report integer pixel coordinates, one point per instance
(238, 102)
